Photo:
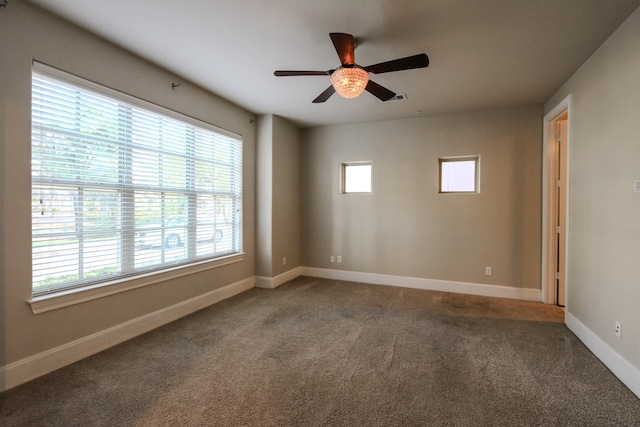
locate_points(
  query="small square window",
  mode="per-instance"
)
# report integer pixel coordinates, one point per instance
(356, 178)
(458, 175)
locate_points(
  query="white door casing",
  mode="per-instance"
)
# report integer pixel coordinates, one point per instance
(555, 203)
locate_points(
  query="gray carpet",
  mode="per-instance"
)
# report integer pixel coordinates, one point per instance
(325, 353)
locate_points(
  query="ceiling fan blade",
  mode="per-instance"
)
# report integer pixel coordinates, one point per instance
(408, 63)
(282, 73)
(325, 95)
(380, 92)
(344, 47)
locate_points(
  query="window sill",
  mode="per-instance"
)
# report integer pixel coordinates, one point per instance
(54, 301)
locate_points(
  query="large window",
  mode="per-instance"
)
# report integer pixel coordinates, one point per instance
(122, 187)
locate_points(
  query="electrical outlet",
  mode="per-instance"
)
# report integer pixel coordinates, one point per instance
(284, 260)
(339, 259)
(332, 258)
(618, 329)
(488, 271)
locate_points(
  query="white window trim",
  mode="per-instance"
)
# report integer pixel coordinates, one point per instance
(72, 296)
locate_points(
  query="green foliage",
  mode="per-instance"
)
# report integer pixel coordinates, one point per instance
(68, 279)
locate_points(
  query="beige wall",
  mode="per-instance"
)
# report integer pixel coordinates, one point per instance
(278, 186)
(604, 210)
(29, 34)
(286, 196)
(264, 196)
(405, 227)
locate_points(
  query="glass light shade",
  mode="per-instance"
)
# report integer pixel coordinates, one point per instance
(350, 82)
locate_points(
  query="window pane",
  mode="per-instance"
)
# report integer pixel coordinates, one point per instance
(75, 236)
(120, 189)
(457, 176)
(357, 178)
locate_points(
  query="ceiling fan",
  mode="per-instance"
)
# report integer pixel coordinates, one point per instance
(350, 79)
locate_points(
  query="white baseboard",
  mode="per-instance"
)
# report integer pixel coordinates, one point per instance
(24, 370)
(621, 368)
(427, 284)
(274, 282)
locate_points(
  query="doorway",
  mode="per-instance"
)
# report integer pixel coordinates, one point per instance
(555, 204)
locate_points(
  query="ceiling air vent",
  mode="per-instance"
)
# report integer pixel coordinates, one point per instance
(398, 97)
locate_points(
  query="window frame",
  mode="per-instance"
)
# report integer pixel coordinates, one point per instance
(453, 159)
(67, 295)
(343, 177)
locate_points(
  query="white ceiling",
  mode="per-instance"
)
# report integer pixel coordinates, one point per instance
(483, 53)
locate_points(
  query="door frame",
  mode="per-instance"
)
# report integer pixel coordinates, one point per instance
(549, 204)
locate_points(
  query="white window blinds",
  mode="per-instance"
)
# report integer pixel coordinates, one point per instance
(122, 187)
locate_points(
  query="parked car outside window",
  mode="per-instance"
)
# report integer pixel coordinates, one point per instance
(152, 235)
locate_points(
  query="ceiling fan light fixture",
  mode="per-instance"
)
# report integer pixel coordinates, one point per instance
(350, 81)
